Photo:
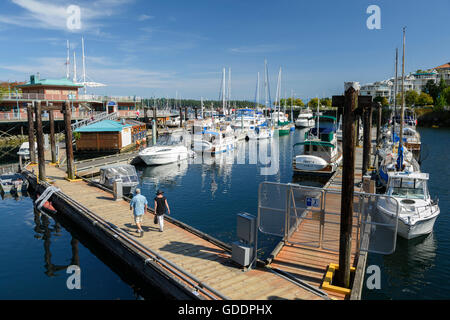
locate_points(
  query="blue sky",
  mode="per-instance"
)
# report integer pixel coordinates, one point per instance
(157, 48)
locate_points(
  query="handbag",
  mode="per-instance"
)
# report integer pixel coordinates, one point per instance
(155, 219)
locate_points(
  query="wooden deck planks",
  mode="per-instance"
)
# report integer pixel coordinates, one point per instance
(207, 262)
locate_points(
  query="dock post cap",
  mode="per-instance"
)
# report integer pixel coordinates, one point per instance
(352, 84)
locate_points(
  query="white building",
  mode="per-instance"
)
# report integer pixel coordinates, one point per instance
(414, 81)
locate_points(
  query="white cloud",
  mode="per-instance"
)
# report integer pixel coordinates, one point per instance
(144, 17)
(51, 15)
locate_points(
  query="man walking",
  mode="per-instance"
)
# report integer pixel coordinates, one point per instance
(139, 204)
(161, 206)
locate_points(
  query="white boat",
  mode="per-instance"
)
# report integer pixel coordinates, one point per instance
(173, 122)
(216, 141)
(278, 117)
(24, 150)
(12, 182)
(321, 154)
(320, 151)
(170, 151)
(417, 212)
(390, 158)
(305, 119)
(125, 172)
(260, 133)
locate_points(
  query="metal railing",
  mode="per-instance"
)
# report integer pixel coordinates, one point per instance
(64, 97)
(94, 118)
(283, 208)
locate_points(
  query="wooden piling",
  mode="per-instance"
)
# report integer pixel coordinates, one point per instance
(51, 119)
(31, 132)
(181, 117)
(40, 141)
(348, 184)
(68, 139)
(379, 110)
(367, 137)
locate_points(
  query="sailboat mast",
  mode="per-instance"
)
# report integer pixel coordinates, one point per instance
(68, 61)
(74, 68)
(223, 91)
(395, 90)
(266, 89)
(229, 90)
(402, 112)
(318, 114)
(257, 92)
(84, 65)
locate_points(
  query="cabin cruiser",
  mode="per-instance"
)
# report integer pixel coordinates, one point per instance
(171, 150)
(12, 182)
(321, 154)
(247, 119)
(215, 141)
(391, 156)
(24, 150)
(278, 116)
(125, 172)
(417, 212)
(305, 119)
(260, 132)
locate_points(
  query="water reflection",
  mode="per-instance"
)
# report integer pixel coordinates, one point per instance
(44, 230)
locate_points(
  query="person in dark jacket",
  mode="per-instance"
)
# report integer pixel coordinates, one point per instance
(161, 206)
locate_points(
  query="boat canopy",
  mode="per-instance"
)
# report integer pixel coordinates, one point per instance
(328, 117)
(323, 130)
(315, 143)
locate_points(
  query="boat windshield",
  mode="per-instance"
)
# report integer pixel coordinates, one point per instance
(126, 173)
(408, 188)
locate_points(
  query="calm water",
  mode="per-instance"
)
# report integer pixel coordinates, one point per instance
(36, 250)
(420, 269)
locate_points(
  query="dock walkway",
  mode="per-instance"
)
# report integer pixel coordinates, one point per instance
(207, 262)
(309, 250)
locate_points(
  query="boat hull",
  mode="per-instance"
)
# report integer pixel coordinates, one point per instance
(304, 123)
(313, 164)
(161, 159)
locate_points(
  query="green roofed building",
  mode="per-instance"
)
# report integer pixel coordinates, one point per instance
(109, 135)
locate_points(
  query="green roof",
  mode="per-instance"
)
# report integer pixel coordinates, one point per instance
(103, 126)
(327, 117)
(34, 81)
(315, 143)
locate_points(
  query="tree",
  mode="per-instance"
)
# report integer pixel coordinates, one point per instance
(446, 95)
(313, 103)
(440, 103)
(383, 100)
(432, 89)
(410, 98)
(325, 102)
(424, 99)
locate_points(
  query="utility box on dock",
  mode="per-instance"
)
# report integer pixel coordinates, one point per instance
(368, 184)
(241, 253)
(243, 249)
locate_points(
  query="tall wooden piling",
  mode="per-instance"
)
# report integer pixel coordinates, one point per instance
(51, 119)
(30, 112)
(68, 139)
(154, 126)
(348, 184)
(181, 117)
(195, 109)
(367, 137)
(379, 110)
(40, 140)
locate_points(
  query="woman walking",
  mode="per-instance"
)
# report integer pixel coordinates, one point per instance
(161, 206)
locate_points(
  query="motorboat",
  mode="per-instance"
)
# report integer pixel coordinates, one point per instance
(169, 149)
(260, 132)
(321, 154)
(124, 172)
(305, 119)
(214, 141)
(12, 182)
(24, 150)
(390, 159)
(414, 208)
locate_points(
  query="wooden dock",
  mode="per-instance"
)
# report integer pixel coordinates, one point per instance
(308, 251)
(182, 261)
